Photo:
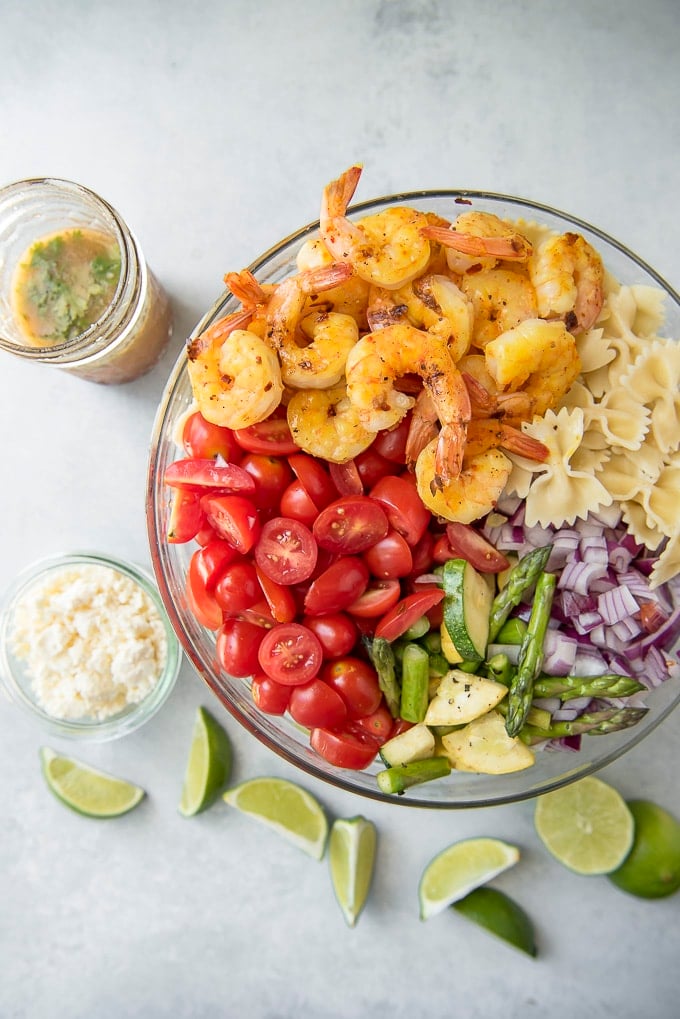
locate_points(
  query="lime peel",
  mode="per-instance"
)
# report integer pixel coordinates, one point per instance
(501, 915)
(86, 790)
(285, 807)
(351, 856)
(652, 868)
(208, 765)
(461, 868)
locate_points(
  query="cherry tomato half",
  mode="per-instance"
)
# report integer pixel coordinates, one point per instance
(279, 598)
(350, 525)
(314, 478)
(206, 441)
(271, 697)
(356, 682)
(346, 478)
(212, 560)
(390, 557)
(405, 511)
(238, 642)
(391, 443)
(469, 544)
(201, 474)
(317, 704)
(371, 467)
(290, 654)
(271, 475)
(296, 504)
(336, 632)
(406, 611)
(380, 725)
(186, 516)
(238, 588)
(376, 600)
(234, 518)
(271, 437)
(201, 602)
(352, 747)
(286, 551)
(337, 587)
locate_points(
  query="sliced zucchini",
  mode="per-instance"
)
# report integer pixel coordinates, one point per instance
(416, 744)
(449, 648)
(460, 697)
(484, 747)
(467, 605)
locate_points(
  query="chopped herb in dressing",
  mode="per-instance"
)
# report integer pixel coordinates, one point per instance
(64, 283)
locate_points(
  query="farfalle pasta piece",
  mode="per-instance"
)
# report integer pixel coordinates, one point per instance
(634, 516)
(654, 379)
(649, 309)
(559, 493)
(594, 351)
(668, 563)
(622, 419)
(662, 500)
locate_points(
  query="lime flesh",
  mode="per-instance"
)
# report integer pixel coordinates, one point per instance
(285, 807)
(459, 869)
(351, 857)
(86, 790)
(501, 915)
(208, 766)
(586, 826)
(652, 868)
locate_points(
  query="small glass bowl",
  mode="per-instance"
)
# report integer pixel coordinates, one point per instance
(18, 683)
(170, 561)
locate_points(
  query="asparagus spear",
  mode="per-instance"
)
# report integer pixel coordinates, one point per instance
(594, 723)
(415, 678)
(381, 654)
(400, 777)
(521, 577)
(568, 687)
(530, 659)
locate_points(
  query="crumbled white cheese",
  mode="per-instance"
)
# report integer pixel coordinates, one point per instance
(92, 641)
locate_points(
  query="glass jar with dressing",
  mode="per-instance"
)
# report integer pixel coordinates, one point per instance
(75, 290)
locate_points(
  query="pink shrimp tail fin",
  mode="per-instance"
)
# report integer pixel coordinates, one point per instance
(245, 288)
(218, 332)
(325, 277)
(339, 193)
(448, 460)
(524, 445)
(512, 248)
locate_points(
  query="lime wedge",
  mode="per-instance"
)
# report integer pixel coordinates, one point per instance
(208, 767)
(291, 811)
(458, 870)
(501, 915)
(586, 826)
(86, 790)
(652, 868)
(351, 857)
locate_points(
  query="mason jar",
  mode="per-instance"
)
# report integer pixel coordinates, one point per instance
(130, 333)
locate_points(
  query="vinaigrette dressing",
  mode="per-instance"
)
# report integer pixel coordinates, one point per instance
(64, 283)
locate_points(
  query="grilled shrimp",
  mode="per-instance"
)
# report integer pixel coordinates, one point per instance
(478, 240)
(381, 357)
(235, 376)
(501, 298)
(321, 362)
(568, 278)
(387, 248)
(471, 495)
(433, 303)
(537, 356)
(325, 423)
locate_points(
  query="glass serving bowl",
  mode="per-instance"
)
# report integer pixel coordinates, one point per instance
(170, 561)
(19, 683)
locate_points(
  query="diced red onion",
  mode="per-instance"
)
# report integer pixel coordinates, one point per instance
(551, 704)
(559, 653)
(587, 621)
(593, 549)
(511, 650)
(579, 576)
(656, 669)
(616, 604)
(627, 628)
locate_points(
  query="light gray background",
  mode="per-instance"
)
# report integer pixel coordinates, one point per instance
(212, 128)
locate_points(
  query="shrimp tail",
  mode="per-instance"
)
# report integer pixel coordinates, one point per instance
(218, 332)
(245, 288)
(339, 193)
(512, 248)
(448, 460)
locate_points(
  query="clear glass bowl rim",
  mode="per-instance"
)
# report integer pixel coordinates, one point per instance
(130, 718)
(220, 307)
